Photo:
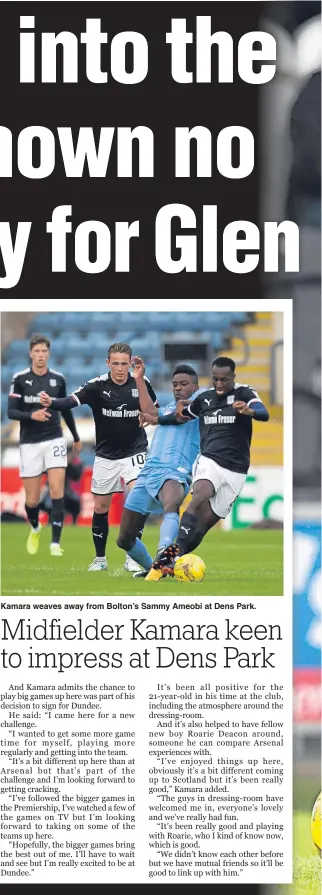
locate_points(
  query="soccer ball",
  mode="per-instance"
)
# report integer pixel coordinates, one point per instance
(189, 568)
(316, 825)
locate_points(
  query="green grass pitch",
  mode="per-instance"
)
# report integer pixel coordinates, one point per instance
(307, 864)
(241, 563)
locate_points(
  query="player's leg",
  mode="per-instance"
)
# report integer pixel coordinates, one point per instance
(32, 486)
(171, 496)
(206, 508)
(207, 478)
(132, 524)
(132, 565)
(100, 527)
(138, 506)
(56, 482)
(31, 469)
(105, 482)
(197, 519)
(55, 463)
(194, 524)
(132, 467)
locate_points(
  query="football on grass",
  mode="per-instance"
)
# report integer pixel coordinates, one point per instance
(316, 826)
(189, 568)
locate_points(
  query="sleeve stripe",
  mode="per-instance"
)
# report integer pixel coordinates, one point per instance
(75, 397)
(13, 395)
(195, 416)
(254, 401)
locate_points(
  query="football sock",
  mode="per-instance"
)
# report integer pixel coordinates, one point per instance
(32, 515)
(100, 532)
(168, 530)
(140, 554)
(190, 533)
(57, 519)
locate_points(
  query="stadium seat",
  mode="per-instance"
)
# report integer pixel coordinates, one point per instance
(57, 360)
(239, 317)
(6, 376)
(98, 322)
(48, 324)
(4, 404)
(149, 343)
(74, 345)
(17, 351)
(218, 341)
(155, 321)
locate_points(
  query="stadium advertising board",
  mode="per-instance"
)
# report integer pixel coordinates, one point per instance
(261, 499)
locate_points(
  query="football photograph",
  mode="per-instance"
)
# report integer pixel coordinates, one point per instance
(142, 452)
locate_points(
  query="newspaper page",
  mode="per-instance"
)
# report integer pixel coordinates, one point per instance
(146, 727)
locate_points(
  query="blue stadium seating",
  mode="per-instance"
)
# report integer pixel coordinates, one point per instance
(4, 404)
(18, 351)
(47, 324)
(80, 340)
(6, 375)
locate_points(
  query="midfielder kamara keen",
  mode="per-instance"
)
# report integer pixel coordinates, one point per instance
(121, 443)
(42, 445)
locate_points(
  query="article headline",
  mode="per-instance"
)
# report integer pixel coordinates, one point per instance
(139, 630)
(126, 152)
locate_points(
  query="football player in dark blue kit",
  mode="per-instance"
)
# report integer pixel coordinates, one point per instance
(225, 414)
(43, 447)
(121, 443)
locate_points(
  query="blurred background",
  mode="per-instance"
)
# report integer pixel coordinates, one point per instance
(291, 188)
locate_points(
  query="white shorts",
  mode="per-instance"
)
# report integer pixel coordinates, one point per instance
(107, 474)
(37, 458)
(227, 484)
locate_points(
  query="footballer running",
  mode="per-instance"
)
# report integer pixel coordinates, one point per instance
(165, 479)
(121, 442)
(225, 413)
(42, 445)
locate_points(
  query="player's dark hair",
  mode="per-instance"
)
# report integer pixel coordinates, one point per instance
(36, 338)
(121, 348)
(185, 368)
(224, 362)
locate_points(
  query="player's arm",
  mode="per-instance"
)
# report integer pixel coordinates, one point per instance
(147, 397)
(14, 406)
(81, 395)
(69, 419)
(169, 419)
(186, 411)
(251, 405)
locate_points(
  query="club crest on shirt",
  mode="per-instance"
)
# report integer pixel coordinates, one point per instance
(135, 393)
(230, 399)
(53, 382)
